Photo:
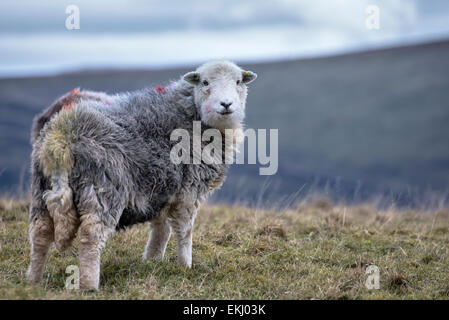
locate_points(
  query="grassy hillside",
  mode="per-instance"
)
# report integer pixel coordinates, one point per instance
(316, 251)
(355, 125)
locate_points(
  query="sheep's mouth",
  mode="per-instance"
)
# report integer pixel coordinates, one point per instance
(223, 113)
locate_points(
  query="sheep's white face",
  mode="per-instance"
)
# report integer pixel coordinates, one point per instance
(220, 93)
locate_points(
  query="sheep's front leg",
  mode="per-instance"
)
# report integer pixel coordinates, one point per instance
(159, 235)
(93, 236)
(182, 224)
(41, 236)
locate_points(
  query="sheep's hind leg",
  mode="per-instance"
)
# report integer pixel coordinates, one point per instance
(159, 235)
(99, 211)
(41, 236)
(93, 236)
(182, 219)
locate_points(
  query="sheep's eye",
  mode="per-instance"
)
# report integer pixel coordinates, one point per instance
(205, 83)
(238, 82)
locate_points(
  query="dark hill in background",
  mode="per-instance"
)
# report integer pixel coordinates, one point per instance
(356, 126)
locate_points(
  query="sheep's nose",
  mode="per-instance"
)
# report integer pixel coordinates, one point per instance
(226, 105)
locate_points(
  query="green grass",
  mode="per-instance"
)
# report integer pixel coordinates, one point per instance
(317, 251)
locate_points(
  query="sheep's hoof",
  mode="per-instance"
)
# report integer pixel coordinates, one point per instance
(88, 286)
(89, 290)
(33, 279)
(152, 256)
(185, 264)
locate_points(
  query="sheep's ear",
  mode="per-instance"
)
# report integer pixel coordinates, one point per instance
(248, 76)
(192, 77)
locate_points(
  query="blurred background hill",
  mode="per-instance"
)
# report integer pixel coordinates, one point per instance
(362, 114)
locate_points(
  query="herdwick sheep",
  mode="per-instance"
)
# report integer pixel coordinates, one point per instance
(101, 163)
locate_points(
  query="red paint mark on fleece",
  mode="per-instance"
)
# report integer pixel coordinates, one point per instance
(161, 89)
(67, 106)
(75, 96)
(208, 109)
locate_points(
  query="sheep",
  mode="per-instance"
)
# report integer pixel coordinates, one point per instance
(102, 163)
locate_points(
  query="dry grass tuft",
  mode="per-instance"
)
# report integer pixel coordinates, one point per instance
(273, 230)
(397, 283)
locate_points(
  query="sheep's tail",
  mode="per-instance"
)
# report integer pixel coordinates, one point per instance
(59, 201)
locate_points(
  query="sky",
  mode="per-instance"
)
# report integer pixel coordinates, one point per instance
(158, 34)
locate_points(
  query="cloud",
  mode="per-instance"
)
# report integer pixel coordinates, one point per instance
(159, 33)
